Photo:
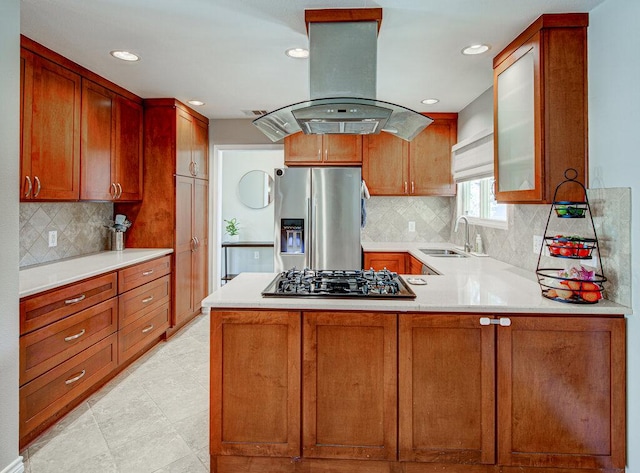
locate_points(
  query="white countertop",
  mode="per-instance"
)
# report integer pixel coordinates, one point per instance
(473, 284)
(49, 276)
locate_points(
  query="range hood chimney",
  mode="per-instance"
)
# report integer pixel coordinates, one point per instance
(342, 71)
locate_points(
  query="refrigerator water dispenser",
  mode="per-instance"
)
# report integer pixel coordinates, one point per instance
(292, 236)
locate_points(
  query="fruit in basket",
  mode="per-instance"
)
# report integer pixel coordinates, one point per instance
(591, 296)
(573, 285)
(564, 293)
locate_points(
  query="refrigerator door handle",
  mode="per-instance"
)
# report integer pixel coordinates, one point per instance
(307, 235)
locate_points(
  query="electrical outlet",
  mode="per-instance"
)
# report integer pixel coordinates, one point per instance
(256, 255)
(412, 226)
(53, 238)
(537, 244)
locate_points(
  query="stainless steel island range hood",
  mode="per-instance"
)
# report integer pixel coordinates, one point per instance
(342, 71)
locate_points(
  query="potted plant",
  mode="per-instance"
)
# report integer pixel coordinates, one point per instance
(232, 229)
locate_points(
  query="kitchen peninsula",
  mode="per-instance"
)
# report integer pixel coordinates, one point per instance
(478, 373)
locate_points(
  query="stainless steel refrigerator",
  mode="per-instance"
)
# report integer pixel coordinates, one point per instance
(317, 218)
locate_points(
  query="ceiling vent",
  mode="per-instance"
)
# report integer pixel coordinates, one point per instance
(255, 113)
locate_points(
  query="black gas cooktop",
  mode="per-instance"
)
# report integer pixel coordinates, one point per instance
(339, 283)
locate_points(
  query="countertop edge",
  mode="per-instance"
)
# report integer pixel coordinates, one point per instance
(41, 278)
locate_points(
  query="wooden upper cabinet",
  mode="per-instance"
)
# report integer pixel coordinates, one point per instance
(385, 164)
(129, 156)
(430, 157)
(560, 392)
(81, 134)
(392, 166)
(111, 148)
(191, 146)
(50, 164)
(540, 111)
(301, 149)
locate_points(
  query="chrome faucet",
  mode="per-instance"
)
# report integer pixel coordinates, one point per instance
(467, 245)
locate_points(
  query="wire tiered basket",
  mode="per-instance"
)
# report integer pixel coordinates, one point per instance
(573, 283)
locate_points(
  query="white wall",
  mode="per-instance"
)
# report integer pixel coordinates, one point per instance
(614, 145)
(9, 178)
(255, 224)
(476, 116)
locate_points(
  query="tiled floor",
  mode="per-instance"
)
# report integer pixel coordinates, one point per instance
(152, 417)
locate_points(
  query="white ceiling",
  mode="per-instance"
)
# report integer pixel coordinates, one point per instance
(230, 53)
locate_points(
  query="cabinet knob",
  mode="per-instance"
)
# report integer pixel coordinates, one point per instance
(413, 187)
(485, 321)
(405, 187)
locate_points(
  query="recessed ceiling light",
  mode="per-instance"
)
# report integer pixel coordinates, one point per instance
(297, 53)
(196, 103)
(430, 101)
(476, 49)
(125, 55)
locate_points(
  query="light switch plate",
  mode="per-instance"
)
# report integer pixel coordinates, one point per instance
(537, 244)
(412, 226)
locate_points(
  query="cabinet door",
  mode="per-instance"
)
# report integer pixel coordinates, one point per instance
(200, 146)
(98, 143)
(350, 386)
(395, 262)
(430, 157)
(128, 149)
(184, 247)
(184, 140)
(447, 382)
(255, 383)
(302, 149)
(200, 232)
(561, 392)
(342, 149)
(540, 111)
(385, 164)
(51, 130)
(518, 166)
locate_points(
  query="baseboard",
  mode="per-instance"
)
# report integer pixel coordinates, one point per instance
(16, 466)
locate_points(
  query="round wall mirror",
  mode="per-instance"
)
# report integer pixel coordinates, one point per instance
(255, 189)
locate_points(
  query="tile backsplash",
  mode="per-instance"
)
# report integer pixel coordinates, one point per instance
(80, 226)
(388, 219)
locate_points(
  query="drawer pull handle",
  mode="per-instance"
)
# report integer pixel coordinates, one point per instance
(148, 299)
(147, 329)
(147, 273)
(29, 186)
(38, 186)
(73, 337)
(75, 378)
(75, 300)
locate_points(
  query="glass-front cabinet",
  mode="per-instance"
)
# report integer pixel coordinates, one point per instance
(540, 109)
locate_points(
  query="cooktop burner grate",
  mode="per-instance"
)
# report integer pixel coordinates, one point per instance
(339, 283)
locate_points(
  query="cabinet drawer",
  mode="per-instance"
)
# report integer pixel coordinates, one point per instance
(45, 396)
(135, 303)
(134, 276)
(142, 332)
(48, 307)
(49, 346)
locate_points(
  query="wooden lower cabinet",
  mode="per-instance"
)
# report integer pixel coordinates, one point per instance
(46, 398)
(561, 392)
(255, 384)
(75, 338)
(446, 403)
(395, 262)
(349, 385)
(358, 392)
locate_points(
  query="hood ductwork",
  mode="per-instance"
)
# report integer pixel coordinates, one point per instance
(342, 71)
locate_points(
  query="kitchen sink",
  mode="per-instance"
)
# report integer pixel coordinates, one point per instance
(442, 253)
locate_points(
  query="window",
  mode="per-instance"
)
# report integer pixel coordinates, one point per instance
(476, 201)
